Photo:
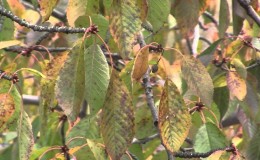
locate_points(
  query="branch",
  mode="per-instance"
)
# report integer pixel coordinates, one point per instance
(250, 11)
(39, 28)
(147, 139)
(195, 154)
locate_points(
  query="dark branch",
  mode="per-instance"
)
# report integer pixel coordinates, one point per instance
(39, 28)
(250, 11)
(195, 154)
(147, 139)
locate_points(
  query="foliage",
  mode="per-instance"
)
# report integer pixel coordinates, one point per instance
(129, 79)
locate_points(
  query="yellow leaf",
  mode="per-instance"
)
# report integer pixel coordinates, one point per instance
(117, 119)
(140, 63)
(174, 118)
(5, 44)
(7, 108)
(124, 22)
(46, 8)
(236, 85)
(76, 8)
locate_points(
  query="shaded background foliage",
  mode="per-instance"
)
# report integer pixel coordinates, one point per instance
(129, 79)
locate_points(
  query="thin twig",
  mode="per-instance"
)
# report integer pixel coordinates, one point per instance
(145, 140)
(39, 28)
(250, 11)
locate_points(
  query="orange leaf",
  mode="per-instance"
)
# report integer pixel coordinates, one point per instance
(7, 108)
(141, 63)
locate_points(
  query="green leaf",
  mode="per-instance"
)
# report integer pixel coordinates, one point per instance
(69, 89)
(211, 49)
(209, 137)
(25, 136)
(7, 31)
(46, 8)
(5, 44)
(240, 67)
(33, 71)
(221, 98)
(253, 150)
(187, 14)
(98, 20)
(158, 12)
(224, 18)
(97, 150)
(96, 77)
(51, 70)
(117, 119)
(198, 79)
(174, 117)
(124, 24)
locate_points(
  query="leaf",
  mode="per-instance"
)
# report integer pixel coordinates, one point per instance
(187, 13)
(69, 89)
(11, 122)
(124, 22)
(253, 150)
(16, 7)
(198, 79)
(211, 49)
(240, 67)
(143, 5)
(33, 71)
(7, 108)
(117, 119)
(221, 98)
(97, 150)
(7, 29)
(224, 18)
(75, 9)
(174, 117)
(236, 85)
(5, 44)
(25, 136)
(51, 70)
(46, 8)
(96, 77)
(209, 137)
(158, 12)
(140, 64)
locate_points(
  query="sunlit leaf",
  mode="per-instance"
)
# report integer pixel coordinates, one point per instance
(69, 89)
(117, 120)
(187, 13)
(198, 79)
(5, 44)
(75, 9)
(16, 7)
(46, 8)
(97, 150)
(236, 85)
(25, 136)
(7, 108)
(158, 12)
(96, 77)
(209, 137)
(174, 117)
(140, 64)
(34, 71)
(224, 18)
(124, 22)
